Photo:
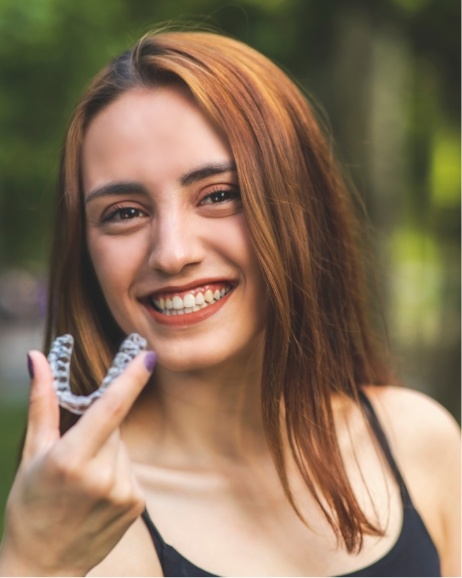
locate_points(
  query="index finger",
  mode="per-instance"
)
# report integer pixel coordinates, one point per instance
(43, 415)
(107, 413)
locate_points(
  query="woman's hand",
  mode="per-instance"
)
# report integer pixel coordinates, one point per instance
(74, 496)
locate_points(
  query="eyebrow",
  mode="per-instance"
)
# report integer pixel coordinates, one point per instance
(207, 171)
(134, 188)
(119, 188)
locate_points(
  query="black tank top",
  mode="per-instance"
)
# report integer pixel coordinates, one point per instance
(413, 554)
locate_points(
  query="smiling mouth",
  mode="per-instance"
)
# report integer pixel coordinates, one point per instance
(190, 301)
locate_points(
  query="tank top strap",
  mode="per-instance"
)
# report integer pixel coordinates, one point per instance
(155, 534)
(384, 445)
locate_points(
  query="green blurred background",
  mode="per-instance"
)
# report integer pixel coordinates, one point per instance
(385, 72)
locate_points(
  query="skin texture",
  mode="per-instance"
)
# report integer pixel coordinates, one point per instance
(190, 444)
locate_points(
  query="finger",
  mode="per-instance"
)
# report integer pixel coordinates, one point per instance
(128, 488)
(107, 453)
(107, 413)
(112, 473)
(43, 414)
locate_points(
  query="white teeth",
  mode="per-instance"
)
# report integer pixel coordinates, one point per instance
(177, 302)
(189, 301)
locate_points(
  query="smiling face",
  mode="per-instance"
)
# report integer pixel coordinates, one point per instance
(166, 232)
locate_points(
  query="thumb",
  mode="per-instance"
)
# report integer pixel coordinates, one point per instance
(43, 415)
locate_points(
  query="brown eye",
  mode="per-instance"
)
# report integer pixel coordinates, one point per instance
(118, 214)
(221, 196)
(128, 213)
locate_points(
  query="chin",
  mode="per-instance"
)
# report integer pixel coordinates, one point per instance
(190, 363)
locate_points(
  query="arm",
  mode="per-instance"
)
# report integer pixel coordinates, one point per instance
(74, 496)
(447, 463)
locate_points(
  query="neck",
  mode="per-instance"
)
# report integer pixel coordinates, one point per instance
(194, 417)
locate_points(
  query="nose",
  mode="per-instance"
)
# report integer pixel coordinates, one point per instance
(175, 242)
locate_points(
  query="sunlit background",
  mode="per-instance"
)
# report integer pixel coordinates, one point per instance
(386, 73)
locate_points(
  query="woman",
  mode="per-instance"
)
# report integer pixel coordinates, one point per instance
(200, 207)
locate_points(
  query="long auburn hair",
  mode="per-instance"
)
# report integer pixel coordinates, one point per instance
(302, 224)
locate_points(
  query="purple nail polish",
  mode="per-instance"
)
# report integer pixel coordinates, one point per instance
(30, 366)
(150, 360)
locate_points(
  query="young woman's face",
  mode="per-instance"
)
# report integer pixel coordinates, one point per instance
(166, 231)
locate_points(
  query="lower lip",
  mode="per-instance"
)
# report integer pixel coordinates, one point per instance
(188, 318)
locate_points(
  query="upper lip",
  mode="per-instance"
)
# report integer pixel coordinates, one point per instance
(187, 286)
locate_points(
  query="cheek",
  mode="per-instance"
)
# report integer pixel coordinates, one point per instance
(232, 237)
(233, 240)
(246, 249)
(257, 288)
(115, 261)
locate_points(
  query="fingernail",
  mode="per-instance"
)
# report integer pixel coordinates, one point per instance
(150, 360)
(30, 366)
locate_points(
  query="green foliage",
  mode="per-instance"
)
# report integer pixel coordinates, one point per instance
(445, 167)
(12, 426)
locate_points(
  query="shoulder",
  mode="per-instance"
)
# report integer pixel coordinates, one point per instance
(426, 443)
(415, 424)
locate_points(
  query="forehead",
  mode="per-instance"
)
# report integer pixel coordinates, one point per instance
(149, 135)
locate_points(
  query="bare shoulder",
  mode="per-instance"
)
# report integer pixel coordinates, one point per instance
(414, 422)
(426, 443)
(423, 435)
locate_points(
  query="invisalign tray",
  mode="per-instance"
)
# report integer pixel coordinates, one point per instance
(60, 363)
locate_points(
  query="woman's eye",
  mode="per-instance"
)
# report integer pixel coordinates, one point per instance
(128, 213)
(221, 196)
(118, 214)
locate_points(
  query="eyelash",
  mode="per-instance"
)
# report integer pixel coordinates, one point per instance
(233, 193)
(117, 210)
